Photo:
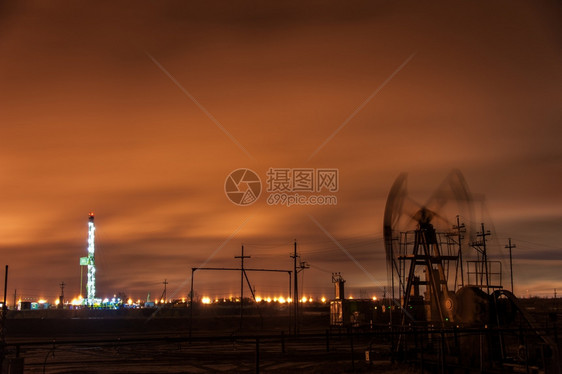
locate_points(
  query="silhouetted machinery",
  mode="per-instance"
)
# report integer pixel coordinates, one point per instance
(357, 313)
(441, 276)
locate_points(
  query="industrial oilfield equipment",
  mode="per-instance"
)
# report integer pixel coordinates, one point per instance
(356, 313)
(426, 253)
(444, 276)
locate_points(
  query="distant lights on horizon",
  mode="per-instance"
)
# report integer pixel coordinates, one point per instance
(79, 300)
(374, 298)
(259, 299)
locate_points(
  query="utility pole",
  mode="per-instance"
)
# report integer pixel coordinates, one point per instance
(482, 244)
(303, 266)
(191, 303)
(3, 331)
(460, 230)
(296, 289)
(510, 247)
(61, 297)
(164, 297)
(242, 274)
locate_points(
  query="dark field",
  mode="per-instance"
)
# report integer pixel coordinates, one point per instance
(166, 341)
(142, 341)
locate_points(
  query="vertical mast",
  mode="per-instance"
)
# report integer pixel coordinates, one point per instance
(91, 280)
(296, 291)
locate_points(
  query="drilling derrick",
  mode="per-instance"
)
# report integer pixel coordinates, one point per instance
(91, 275)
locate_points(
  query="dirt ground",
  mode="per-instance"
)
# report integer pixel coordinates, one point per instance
(146, 342)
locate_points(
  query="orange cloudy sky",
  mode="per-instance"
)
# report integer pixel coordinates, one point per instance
(139, 112)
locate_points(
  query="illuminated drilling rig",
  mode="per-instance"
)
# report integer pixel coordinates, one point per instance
(90, 262)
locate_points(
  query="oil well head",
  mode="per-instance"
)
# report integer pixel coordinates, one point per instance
(424, 256)
(443, 273)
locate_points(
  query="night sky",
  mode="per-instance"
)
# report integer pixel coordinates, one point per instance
(140, 111)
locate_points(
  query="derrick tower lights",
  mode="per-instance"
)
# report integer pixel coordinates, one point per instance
(91, 279)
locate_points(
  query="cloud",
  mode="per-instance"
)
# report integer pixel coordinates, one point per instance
(90, 123)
